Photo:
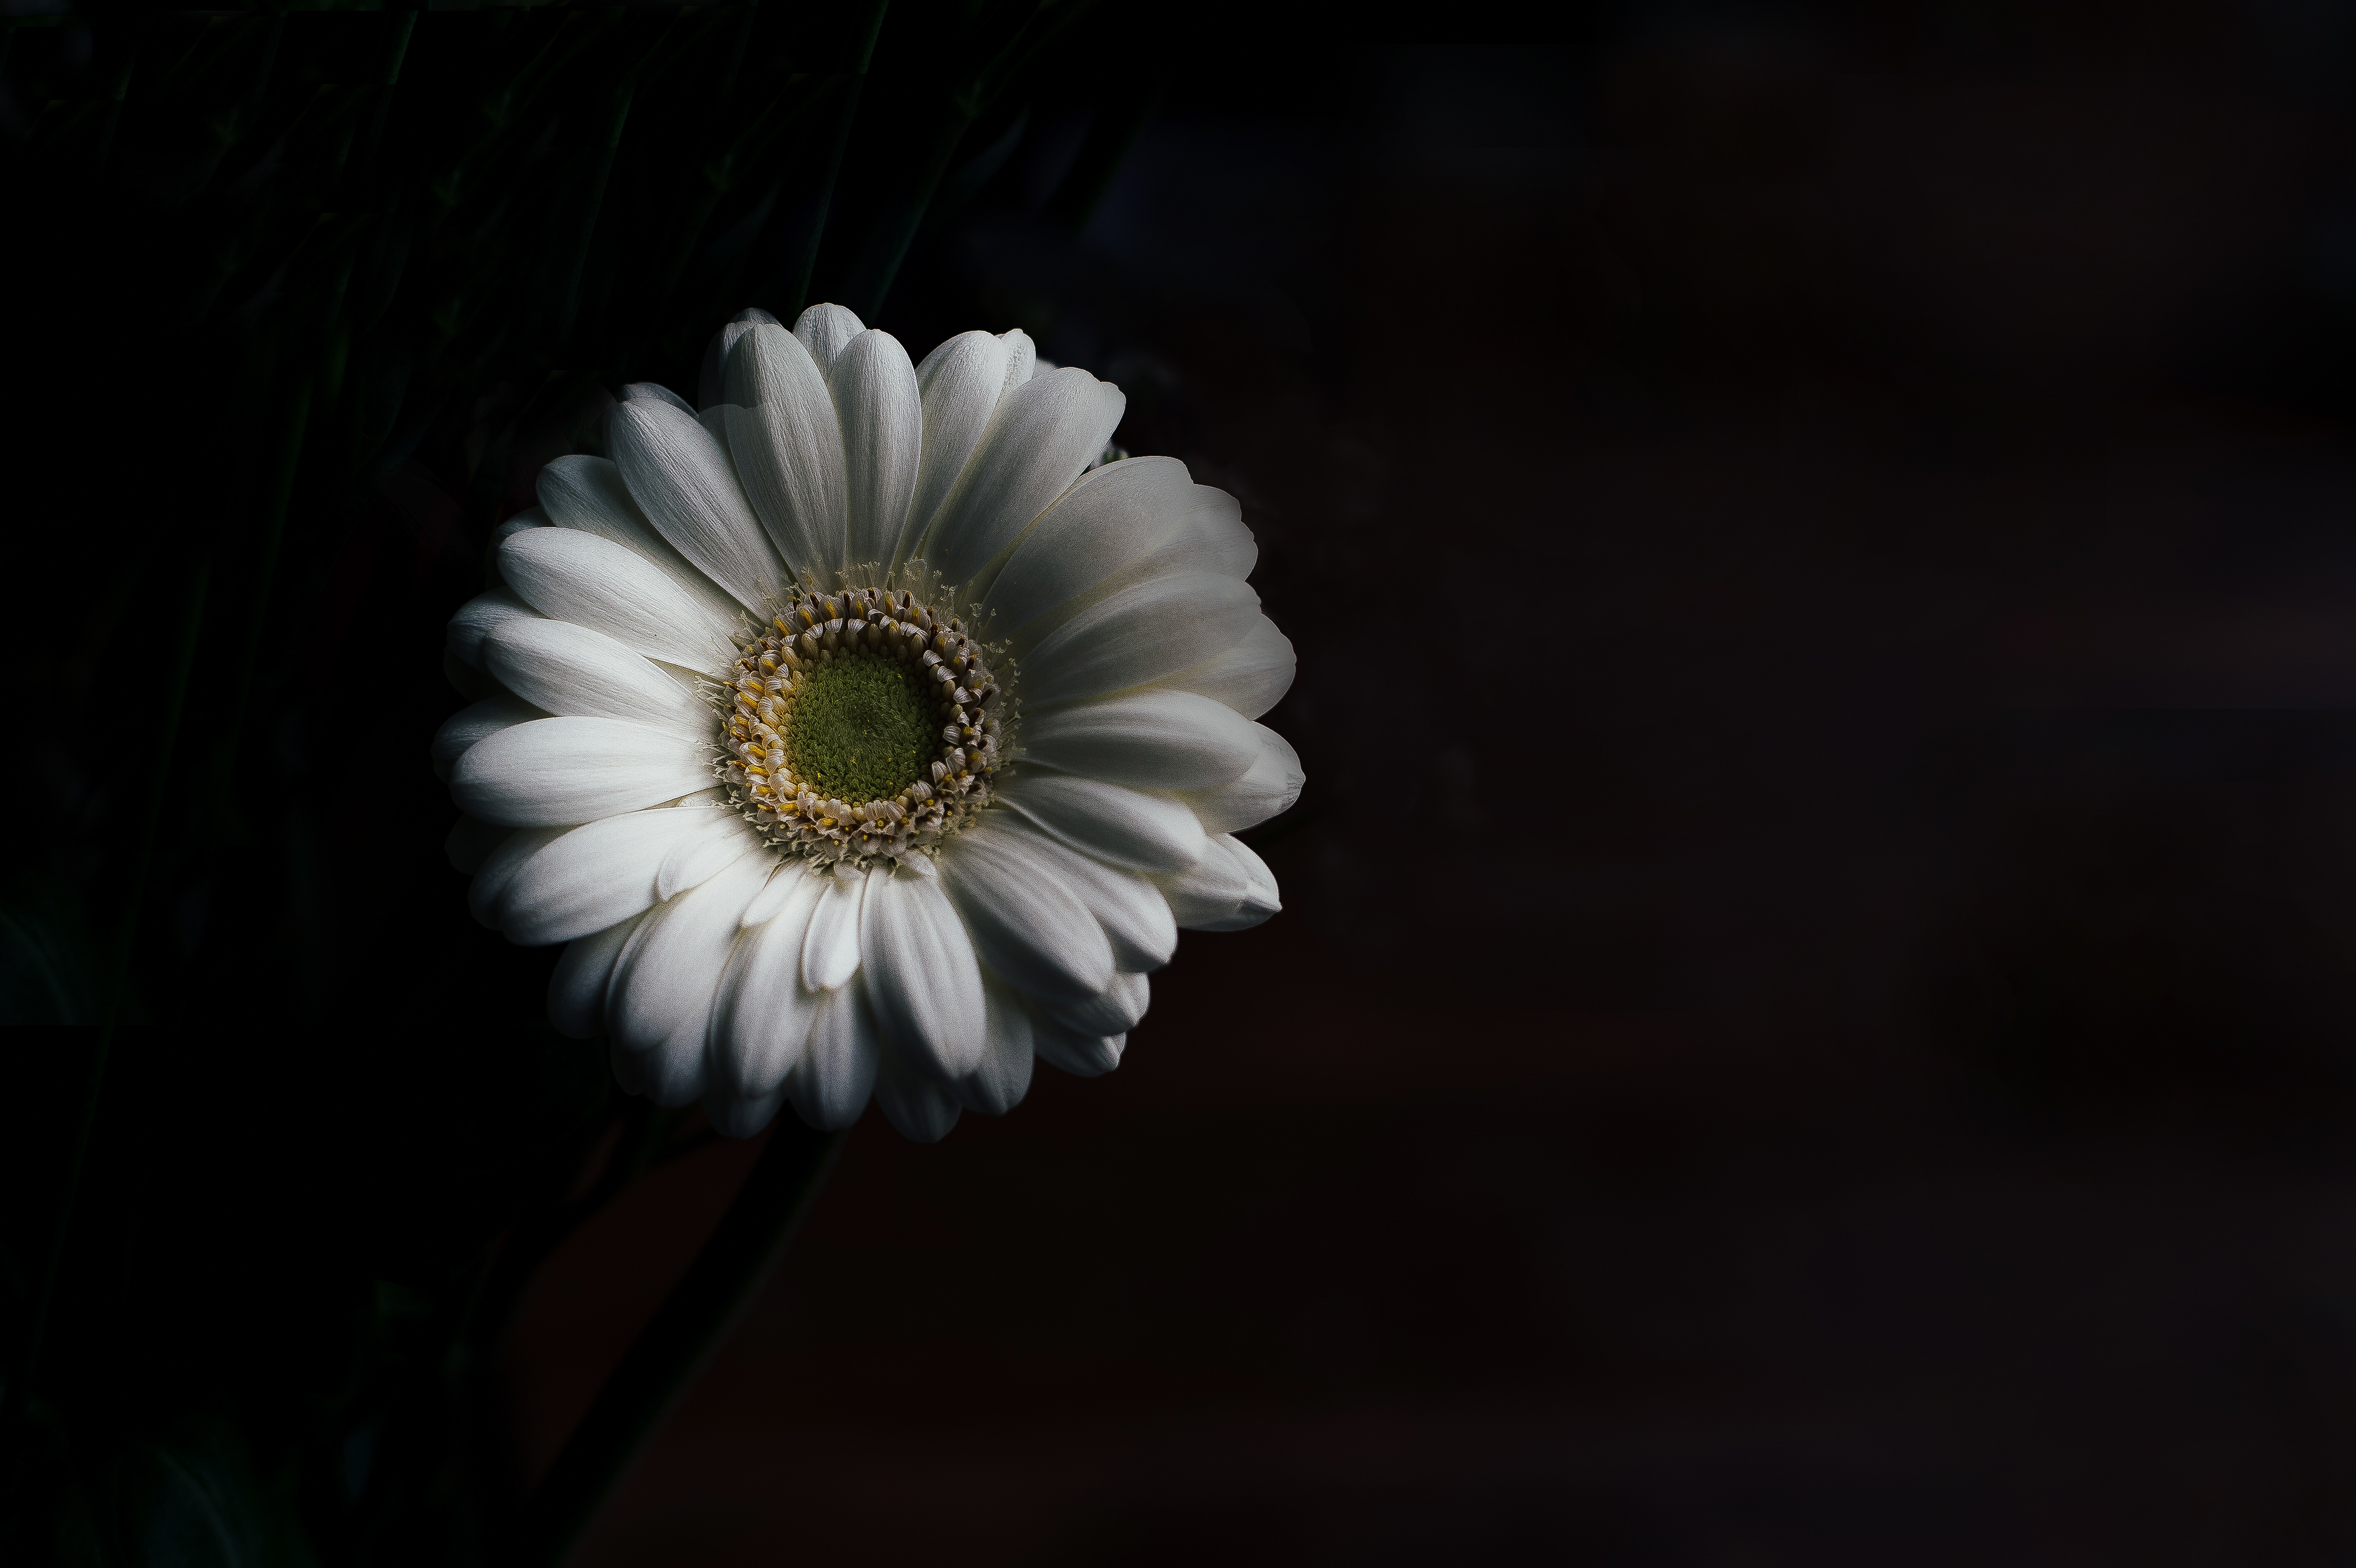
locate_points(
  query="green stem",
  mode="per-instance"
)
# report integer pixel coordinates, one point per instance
(871, 23)
(680, 1341)
(118, 979)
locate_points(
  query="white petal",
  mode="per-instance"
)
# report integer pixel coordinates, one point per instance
(883, 420)
(697, 859)
(830, 1084)
(595, 875)
(1124, 827)
(594, 582)
(470, 843)
(764, 1016)
(684, 483)
(475, 619)
(830, 952)
(1042, 438)
(529, 518)
(1267, 789)
(1081, 1054)
(825, 330)
(1115, 517)
(576, 991)
(1155, 739)
(1141, 634)
(1135, 917)
(1003, 1077)
(459, 732)
(921, 974)
(1260, 901)
(587, 494)
(712, 384)
(919, 1106)
(1115, 1010)
(1230, 890)
(582, 673)
(655, 392)
(1026, 923)
(499, 868)
(569, 770)
(788, 446)
(668, 978)
(1208, 891)
(959, 382)
(1022, 359)
(1251, 677)
(792, 882)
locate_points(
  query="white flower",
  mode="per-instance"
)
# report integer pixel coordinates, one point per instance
(860, 733)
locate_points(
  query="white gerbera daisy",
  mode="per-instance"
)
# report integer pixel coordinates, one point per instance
(863, 734)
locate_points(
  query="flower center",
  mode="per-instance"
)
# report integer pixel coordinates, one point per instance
(860, 724)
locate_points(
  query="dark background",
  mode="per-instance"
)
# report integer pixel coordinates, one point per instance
(1812, 1021)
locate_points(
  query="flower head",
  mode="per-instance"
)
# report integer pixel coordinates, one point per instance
(864, 733)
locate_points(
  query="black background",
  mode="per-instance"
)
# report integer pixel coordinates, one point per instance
(1812, 1020)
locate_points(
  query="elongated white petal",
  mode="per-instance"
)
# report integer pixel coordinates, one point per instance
(1114, 1010)
(997, 1083)
(1135, 919)
(1026, 923)
(668, 978)
(1267, 789)
(595, 875)
(566, 771)
(1251, 677)
(919, 1105)
(763, 1020)
(594, 582)
(1259, 900)
(787, 445)
(499, 868)
(1123, 826)
(793, 883)
(1230, 889)
(1141, 634)
(459, 732)
(1209, 891)
(959, 382)
(582, 673)
(830, 1084)
(1076, 1051)
(530, 518)
(711, 385)
(1022, 359)
(831, 952)
(470, 843)
(1044, 433)
(576, 991)
(684, 483)
(587, 494)
(696, 860)
(825, 330)
(1115, 517)
(883, 420)
(1155, 739)
(921, 974)
(474, 621)
(655, 392)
